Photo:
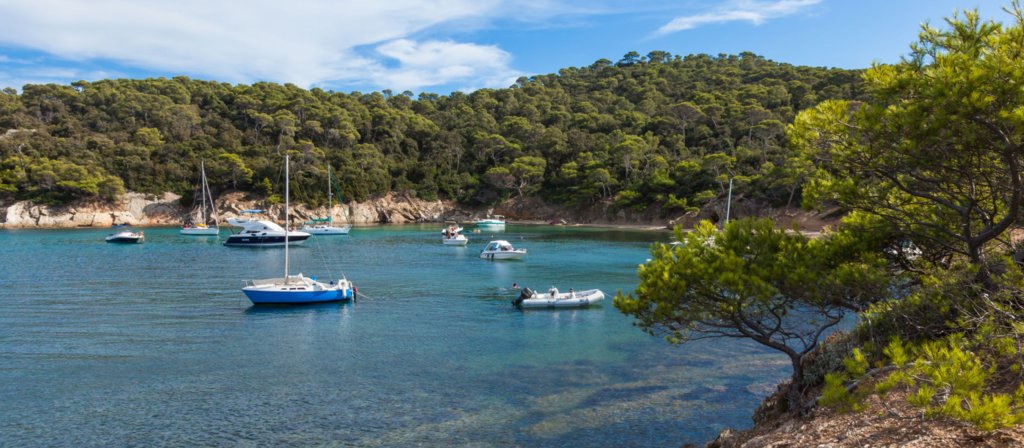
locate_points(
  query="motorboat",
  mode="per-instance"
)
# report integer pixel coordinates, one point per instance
(208, 210)
(457, 240)
(295, 289)
(452, 235)
(554, 299)
(501, 250)
(262, 233)
(325, 226)
(491, 221)
(126, 237)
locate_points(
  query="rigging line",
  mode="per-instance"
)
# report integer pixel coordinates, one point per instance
(323, 259)
(364, 296)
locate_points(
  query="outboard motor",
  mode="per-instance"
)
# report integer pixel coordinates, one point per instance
(526, 293)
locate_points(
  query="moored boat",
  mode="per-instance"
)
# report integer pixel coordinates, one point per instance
(126, 237)
(325, 226)
(451, 235)
(295, 289)
(262, 233)
(501, 250)
(207, 211)
(554, 299)
(491, 221)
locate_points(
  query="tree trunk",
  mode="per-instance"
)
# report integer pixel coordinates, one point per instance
(794, 396)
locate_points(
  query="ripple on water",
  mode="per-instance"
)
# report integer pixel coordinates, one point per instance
(154, 345)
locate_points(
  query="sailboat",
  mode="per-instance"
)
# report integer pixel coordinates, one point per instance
(295, 289)
(201, 228)
(323, 226)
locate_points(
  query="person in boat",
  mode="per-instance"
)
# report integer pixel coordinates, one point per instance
(572, 294)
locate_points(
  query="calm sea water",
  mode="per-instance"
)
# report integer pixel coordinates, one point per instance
(155, 345)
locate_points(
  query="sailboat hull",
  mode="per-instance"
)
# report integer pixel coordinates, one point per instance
(200, 231)
(245, 240)
(326, 230)
(276, 297)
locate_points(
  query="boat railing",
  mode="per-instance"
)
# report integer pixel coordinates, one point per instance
(262, 282)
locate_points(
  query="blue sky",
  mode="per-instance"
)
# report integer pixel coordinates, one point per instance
(435, 45)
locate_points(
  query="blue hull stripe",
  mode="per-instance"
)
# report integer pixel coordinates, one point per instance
(296, 297)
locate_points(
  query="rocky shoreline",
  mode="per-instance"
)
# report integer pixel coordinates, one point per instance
(137, 209)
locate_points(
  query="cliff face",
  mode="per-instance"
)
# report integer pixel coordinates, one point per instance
(132, 209)
(390, 209)
(139, 210)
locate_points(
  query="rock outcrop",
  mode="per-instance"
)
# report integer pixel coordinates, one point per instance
(135, 209)
(390, 209)
(885, 421)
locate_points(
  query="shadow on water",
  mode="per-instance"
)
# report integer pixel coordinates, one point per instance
(313, 308)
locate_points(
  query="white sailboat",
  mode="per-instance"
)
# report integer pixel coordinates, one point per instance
(324, 226)
(295, 289)
(202, 227)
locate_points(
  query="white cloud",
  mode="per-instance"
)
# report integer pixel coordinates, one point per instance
(439, 62)
(306, 42)
(753, 11)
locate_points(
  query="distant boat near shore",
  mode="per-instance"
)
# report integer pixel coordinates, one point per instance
(126, 237)
(202, 227)
(491, 221)
(325, 226)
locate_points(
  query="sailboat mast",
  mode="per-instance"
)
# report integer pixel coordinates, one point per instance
(286, 223)
(209, 195)
(202, 181)
(330, 203)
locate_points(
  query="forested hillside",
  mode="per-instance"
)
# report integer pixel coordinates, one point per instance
(656, 129)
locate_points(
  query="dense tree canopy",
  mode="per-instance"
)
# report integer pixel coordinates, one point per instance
(658, 129)
(929, 162)
(938, 149)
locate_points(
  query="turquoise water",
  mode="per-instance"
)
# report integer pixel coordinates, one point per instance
(155, 345)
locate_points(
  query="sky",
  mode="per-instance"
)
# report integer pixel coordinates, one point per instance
(437, 46)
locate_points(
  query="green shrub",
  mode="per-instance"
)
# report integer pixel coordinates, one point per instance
(835, 395)
(856, 364)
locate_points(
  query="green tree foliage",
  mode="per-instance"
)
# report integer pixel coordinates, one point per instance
(751, 280)
(934, 155)
(937, 150)
(600, 130)
(56, 181)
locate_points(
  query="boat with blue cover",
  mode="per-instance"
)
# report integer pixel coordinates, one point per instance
(295, 289)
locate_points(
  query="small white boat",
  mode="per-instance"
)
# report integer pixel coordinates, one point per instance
(491, 221)
(451, 235)
(554, 299)
(126, 237)
(501, 250)
(457, 240)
